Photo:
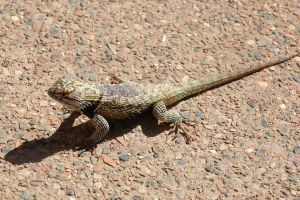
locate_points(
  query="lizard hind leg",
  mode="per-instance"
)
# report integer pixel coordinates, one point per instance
(161, 113)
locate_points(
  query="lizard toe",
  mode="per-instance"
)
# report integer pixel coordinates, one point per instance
(88, 146)
(176, 129)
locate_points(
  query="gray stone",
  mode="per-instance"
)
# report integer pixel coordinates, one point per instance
(265, 15)
(5, 150)
(296, 149)
(297, 79)
(25, 195)
(280, 39)
(54, 32)
(181, 162)
(23, 125)
(211, 170)
(283, 130)
(5, 63)
(70, 192)
(258, 55)
(264, 123)
(60, 167)
(88, 183)
(124, 157)
(130, 45)
(204, 62)
(93, 160)
(137, 198)
(186, 115)
(263, 41)
(120, 59)
(251, 103)
(200, 115)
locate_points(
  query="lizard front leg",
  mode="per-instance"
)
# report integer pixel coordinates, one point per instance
(161, 113)
(102, 128)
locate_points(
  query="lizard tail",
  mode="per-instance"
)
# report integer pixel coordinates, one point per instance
(190, 88)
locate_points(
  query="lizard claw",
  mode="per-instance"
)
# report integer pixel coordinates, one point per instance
(177, 128)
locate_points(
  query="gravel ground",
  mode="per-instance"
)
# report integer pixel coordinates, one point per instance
(247, 132)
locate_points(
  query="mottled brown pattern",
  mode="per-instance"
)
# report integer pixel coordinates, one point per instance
(118, 101)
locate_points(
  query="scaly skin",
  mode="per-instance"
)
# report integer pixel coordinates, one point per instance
(125, 99)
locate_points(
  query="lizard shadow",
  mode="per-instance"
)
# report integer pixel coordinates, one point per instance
(68, 137)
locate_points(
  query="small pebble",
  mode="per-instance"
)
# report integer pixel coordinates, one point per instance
(107, 160)
(93, 160)
(251, 103)
(15, 18)
(120, 59)
(223, 147)
(54, 32)
(273, 165)
(23, 125)
(137, 27)
(88, 183)
(296, 149)
(181, 162)
(142, 189)
(164, 38)
(200, 115)
(186, 115)
(211, 170)
(204, 62)
(297, 79)
(25, 195)
(262, 84)
(70, 192)
(258, 55)
(249, 150)
(283, 106)
(124, 157)
(263, 41)
(98, 185)
(44, 103)
(251, 42)
(5, 63)
(60, 167)
(130, 45)
(137, 198)
(264, 123)
(265, 15)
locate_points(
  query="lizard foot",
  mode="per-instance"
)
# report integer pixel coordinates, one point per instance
(89, 145)
(66, 111)
(177, 128)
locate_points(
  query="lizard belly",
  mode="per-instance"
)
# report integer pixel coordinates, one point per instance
(114, 110)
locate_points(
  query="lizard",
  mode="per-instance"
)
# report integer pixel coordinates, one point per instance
(105, 102)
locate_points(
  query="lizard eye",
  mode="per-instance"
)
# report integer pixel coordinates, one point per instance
(65, 91)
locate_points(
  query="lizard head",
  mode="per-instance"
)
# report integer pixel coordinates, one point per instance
(73, 94)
